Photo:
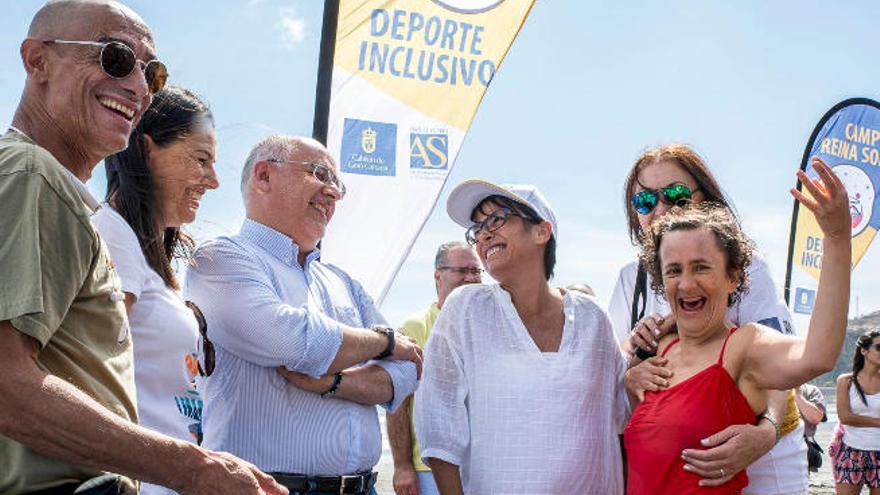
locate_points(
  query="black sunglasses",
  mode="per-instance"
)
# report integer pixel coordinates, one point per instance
(208, 346)
(491, 223)
(646, 200)
(118, 60)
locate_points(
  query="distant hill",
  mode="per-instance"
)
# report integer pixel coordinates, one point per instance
(854, 328)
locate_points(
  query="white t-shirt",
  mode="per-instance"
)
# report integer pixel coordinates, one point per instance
(784, 468)
(863, 438)
(164, 333)
(515, 419)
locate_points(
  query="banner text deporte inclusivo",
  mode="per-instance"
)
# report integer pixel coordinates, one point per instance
(410, 45)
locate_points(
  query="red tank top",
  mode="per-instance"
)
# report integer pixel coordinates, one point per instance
(677, 418)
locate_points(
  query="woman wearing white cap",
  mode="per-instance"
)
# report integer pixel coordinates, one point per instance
(522, 387)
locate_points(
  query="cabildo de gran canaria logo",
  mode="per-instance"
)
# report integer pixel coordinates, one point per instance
(368, 147)
(469, 6)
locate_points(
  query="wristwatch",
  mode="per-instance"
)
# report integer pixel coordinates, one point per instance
(389, 333)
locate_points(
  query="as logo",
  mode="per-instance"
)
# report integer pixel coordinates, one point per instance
(429, 151)
(368, 140)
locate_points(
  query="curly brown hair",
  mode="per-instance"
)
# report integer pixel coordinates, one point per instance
(716, 218)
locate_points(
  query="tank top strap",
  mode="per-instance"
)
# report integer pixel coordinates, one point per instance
(663, 354)
(724, 346)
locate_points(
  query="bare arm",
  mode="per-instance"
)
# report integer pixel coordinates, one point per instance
(844, 408)
(447, 476)
(400, 436)
(367, 385)
(54, 418)
(359, 345)
(778, 362)
(812, 413)
(736, 447)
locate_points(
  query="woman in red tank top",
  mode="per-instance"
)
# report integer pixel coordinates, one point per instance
(698, 257)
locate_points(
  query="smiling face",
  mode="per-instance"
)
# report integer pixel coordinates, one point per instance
(182, 172)
(658, 176)
(505, 251)
(696, 280)
(300, 204)
(94, 111)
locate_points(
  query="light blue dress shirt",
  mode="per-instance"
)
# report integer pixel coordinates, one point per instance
(263, 310)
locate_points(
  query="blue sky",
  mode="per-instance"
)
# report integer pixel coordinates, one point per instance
(585, 88)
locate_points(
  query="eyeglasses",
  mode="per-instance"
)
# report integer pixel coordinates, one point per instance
(118, 61)
(462, 270)
(491, 223)
(646, 200)
(319, 171)
(210, 358)
(876, 347)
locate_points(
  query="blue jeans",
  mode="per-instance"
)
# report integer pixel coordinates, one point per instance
(427, 485)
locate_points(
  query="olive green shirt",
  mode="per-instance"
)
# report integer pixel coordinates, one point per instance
(419, 328)
(58, 285)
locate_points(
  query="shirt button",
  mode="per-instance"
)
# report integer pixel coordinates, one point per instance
(117, 296)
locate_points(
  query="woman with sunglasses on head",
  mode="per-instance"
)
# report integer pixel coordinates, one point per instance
(773, 450)
(522, 387)
(855, 451)
(153, 188)
(721, 371)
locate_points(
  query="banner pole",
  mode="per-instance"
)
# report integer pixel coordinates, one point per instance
(325, 71)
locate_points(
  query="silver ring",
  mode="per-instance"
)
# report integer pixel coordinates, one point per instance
(722, 472)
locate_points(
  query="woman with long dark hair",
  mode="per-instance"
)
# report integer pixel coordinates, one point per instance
(153, 188)
(855, 451)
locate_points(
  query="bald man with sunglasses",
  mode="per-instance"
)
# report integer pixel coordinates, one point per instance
(67, 414)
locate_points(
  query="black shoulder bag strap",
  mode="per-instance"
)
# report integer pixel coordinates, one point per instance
(640, 292)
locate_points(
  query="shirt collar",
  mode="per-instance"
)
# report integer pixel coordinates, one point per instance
(275, 243)
(81, 189)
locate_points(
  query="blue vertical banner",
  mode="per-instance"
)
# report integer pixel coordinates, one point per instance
(847, 138)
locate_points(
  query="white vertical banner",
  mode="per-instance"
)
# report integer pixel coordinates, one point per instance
(407, 78)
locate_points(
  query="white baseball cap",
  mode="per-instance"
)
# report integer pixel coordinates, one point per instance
(470, 193)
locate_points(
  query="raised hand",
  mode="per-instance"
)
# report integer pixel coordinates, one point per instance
(829, 202)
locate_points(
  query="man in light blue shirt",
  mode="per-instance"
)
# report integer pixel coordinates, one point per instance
(294, 388)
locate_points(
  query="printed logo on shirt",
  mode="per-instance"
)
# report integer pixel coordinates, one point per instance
(771, 322)
(803, 300)
(368, 148)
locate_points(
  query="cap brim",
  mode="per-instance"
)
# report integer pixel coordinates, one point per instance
(467, 195)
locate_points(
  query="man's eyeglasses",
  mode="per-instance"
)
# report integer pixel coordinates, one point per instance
(646, 200)
(462, 270)
(491, 223)
(319, 171)
(208, 346)
(118, 61)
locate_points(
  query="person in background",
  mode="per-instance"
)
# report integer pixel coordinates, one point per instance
(773, 450)
(455, 264)
(855, 450)
(153, 188)
(811, 404)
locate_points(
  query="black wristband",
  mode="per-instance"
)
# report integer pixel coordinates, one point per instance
(643, 354)
(389, 333)
(337, 379)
